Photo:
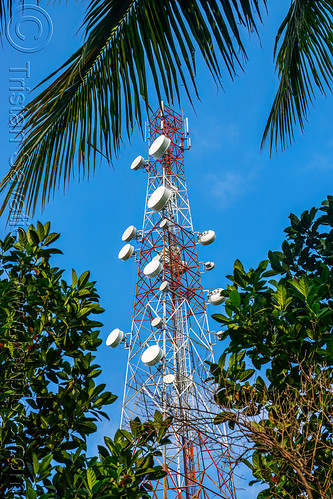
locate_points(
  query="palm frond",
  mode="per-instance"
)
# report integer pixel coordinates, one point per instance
(105, 85)
(6, 9)
(304, 63)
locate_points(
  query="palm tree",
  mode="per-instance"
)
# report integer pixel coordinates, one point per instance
(102, 88)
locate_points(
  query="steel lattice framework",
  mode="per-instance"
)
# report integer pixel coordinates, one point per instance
(197, 460)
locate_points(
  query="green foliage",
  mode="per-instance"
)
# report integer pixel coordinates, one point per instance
(124, 469)
(49, 399)
(303, 53)
(104, 84)
(283, 328)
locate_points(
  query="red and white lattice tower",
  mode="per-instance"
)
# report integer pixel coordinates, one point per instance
(170, 341)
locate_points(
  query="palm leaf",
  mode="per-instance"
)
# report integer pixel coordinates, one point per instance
(103, 87)
(6, 8)
(304, 63)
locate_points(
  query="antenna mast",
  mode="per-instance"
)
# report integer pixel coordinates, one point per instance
(170, 342)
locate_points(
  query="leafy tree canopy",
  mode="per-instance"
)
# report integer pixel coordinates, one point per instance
(50, 400)
(275, 378)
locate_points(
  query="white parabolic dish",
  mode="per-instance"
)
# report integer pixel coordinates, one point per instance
(157, 322)
(159, 147)
(138, 163)
(209, 265)
(169, 378)
(219, 335)
(215, 298)
(126, 252)
(114, 338)
(129, 233)
(159, 198)
(153, 268)
(152, 355)
(164, 286)
(207, 237)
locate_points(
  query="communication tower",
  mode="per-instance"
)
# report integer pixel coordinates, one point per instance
(170, 341)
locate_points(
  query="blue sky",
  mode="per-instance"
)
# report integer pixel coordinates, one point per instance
(240, 192)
